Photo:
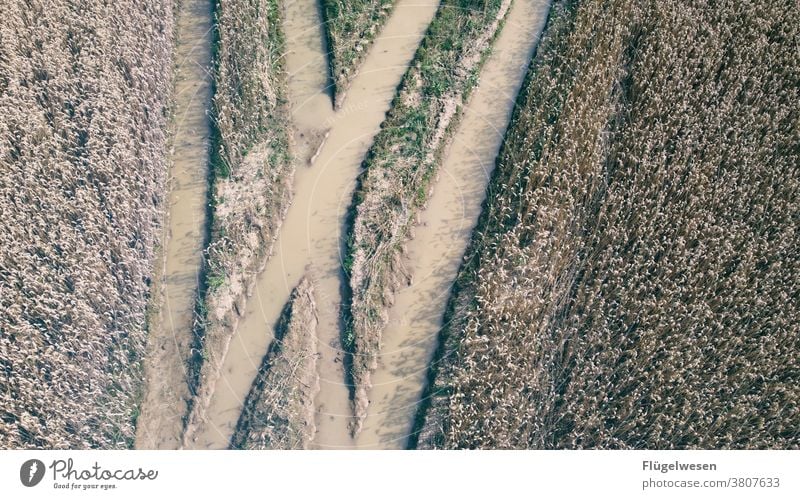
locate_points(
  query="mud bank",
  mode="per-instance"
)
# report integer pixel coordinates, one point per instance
(350, 28)
(279, 411)
(252, 176)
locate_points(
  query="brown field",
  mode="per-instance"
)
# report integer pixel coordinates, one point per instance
(84, 95)
(633, 282)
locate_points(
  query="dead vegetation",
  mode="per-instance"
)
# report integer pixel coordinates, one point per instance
(279, 410)
(633, 281)
(252, 171)
(399, 168)
(350, 28)
(84, 89)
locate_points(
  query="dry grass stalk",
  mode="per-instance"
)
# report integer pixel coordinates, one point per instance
(633, 281)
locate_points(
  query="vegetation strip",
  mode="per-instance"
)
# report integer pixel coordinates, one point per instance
(633, 279)
(279, 410)
(84, 93)
(252, 172)
(399, 167)
(350, 28)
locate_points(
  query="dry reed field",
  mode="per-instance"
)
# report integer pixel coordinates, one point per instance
(84, 95)
(633, 282)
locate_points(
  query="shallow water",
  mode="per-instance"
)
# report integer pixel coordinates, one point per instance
(443, 232)
(311, 235)
(160, 424)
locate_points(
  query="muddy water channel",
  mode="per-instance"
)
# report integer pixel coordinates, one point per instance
(443, 232)
(160, 423)
(311, 236)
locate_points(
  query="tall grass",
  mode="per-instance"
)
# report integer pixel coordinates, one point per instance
(84, 91)
(633, 281)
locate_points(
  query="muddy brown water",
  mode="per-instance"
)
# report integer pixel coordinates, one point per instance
(311, 235)
(160, 423)
(443, 232)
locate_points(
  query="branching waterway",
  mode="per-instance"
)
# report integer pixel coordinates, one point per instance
(329, 147)
(311, 236)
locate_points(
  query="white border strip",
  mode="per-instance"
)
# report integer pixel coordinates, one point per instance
(378, 474)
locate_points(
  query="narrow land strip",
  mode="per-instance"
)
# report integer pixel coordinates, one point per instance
(399, 170)
(279, 410)
(251, 186)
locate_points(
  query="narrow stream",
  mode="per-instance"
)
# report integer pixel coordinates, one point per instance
(310, 238)
(444, 230)
(160, 423)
